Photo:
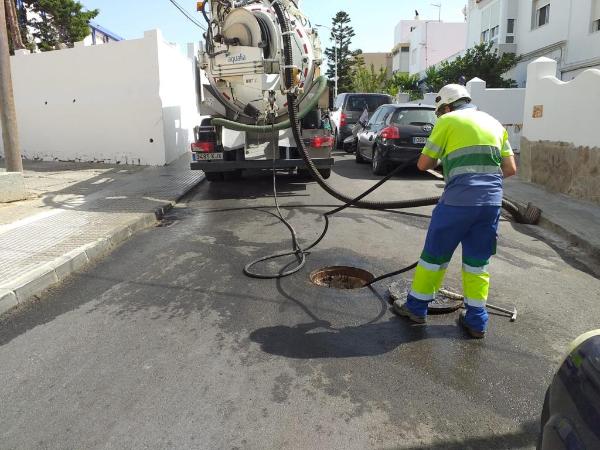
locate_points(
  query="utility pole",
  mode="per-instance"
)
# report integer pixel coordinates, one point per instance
(335, 89)
(8, 116)
(439, 7)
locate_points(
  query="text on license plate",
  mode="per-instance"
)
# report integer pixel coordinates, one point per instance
(207, 156)
(419, 140)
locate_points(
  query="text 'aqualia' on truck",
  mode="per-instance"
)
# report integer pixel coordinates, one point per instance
(243, 92)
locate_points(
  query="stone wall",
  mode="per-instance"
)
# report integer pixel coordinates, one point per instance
(562, 167)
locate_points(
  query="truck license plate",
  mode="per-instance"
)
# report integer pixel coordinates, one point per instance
(419, 140)
(207, 156)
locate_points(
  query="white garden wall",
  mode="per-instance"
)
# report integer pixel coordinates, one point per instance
(506, 105)
(129, 102)
(561, 143)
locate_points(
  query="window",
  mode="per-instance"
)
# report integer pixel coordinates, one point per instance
(372, 102)
(510, 26)
(485, 36)
(494, 33)
(405, 49)
(510, 31)
(541, 13)
(375, 117)
(414, 116)
(595, 16)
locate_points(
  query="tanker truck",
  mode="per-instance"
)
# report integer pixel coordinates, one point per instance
(243, 93)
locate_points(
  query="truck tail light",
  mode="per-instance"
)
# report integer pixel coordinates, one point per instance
(206, 139)
(321, 141)
(343, 120)
(390, 133)
(203, 147)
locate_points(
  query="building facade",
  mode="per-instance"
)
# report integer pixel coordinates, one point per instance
(378, 61)
(419, 44)
(567, 31)
(98, 34)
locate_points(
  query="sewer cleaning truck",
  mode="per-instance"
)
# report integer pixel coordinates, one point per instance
(244, 91)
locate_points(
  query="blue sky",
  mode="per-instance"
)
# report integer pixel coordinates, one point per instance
(374, 24)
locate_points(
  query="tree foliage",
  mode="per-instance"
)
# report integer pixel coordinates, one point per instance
(482, 61)
(341, 36)
(368, 80)
(405, 83)
(57, 23)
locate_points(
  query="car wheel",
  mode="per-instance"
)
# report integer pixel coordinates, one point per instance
(378, 165)
(358, 157)
(351, 148)
(325, 173)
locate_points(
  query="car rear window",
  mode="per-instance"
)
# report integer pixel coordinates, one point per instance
(358, 102)
(414, 116)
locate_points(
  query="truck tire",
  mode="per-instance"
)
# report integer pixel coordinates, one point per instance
(325, 173)
(214, 176)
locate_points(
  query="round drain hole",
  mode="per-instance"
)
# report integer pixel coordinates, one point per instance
(341, 277)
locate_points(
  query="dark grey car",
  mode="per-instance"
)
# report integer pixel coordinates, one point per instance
(394, 135)
(347, 109)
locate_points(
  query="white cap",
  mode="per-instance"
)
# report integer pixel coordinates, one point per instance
(450, 94)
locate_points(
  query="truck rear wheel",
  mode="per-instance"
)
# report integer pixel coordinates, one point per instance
(325, 173)
(214, 176)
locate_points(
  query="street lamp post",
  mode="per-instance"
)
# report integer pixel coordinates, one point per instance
(335, 88)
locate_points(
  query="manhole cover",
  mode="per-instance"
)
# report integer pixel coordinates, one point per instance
(341, 277)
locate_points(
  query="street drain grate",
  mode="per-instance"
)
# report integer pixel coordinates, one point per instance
(341, 277)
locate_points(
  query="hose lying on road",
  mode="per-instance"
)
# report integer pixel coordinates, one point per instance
(358, 202)
(530, 217)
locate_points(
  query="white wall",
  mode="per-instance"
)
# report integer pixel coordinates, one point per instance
(568, 114)
(435, 41)
(117, 103)
(506, 105)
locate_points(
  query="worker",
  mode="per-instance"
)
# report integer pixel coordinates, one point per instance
(476, 155)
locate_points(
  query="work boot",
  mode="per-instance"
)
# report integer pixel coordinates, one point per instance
(403, 310)
(474, 333)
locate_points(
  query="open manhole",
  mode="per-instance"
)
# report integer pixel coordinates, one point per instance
(341, 277)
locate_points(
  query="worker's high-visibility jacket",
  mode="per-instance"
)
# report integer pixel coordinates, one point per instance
(471, 145)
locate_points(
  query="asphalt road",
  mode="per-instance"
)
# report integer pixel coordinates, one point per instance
(166, 344)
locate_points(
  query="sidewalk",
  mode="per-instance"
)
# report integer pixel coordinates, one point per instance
(77, 213)
(575, 220)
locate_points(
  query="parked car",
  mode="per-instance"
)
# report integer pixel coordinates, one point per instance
(395, 134)
(571, 412)
(347, 109)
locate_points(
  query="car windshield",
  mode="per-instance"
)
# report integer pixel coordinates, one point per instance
(414, 116)
(358, 102)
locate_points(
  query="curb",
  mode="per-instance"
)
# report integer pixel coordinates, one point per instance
(547, 224)
(38, 280)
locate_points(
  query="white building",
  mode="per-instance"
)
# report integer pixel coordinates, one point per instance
(567, 31)
(100, 35)
(419, 44)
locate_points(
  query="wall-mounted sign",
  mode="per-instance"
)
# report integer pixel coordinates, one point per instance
(538, 111)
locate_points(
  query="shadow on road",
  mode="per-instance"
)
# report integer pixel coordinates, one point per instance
(523, 438)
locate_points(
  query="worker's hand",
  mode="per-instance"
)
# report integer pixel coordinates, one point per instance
(426, 163)
(508, 166)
